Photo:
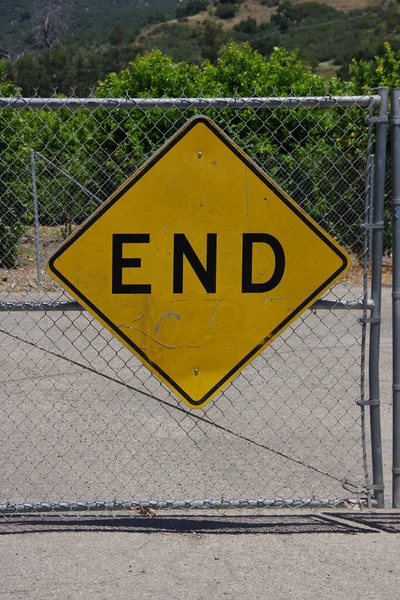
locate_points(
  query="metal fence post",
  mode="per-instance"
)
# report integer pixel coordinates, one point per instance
(395, 146)
(376, 295)
(36, 217)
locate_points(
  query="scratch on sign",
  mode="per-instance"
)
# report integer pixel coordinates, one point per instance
(168, 315)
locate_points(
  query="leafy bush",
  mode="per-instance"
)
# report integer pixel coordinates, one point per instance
(303, 159)
(226, 11)
(304, 149)
(14, 214)
(249, 26)
(192, 7)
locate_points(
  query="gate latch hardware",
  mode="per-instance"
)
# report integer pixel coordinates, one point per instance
(377, 226)
(368, 402)
(383, 119)
(369, 320)
(375, 487)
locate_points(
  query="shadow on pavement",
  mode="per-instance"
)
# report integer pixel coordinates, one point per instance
(387, 522)
(190, 524)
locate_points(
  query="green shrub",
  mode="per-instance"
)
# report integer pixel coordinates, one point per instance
(14, 160)
(193, 7)
(305, 159)
(304, 150)
(226, 11)
(249, 26)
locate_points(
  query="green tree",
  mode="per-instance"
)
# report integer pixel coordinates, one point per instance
(295, 147)
(212, 39)
(382, 70)
(226, 11)
(248, 26)
(14, 214)
(192, 7)
(286, 16)
(30, 75)
(302, 149)
(117, 36)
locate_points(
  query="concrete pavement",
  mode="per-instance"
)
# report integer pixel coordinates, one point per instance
(329, 555)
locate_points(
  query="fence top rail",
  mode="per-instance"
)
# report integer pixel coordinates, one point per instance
(182, 103)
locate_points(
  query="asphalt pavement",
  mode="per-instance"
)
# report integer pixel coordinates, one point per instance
(334, 554)
(310, 556)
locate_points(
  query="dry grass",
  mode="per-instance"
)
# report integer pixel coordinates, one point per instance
(262, 14)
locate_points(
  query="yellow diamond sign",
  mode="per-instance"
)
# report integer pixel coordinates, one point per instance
(198, 262)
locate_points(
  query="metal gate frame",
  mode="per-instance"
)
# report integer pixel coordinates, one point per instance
(395, 203)
(371, 307)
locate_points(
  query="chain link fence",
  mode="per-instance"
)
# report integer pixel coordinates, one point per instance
(84, 425)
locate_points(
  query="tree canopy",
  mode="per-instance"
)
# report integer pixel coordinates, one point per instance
(303, 149)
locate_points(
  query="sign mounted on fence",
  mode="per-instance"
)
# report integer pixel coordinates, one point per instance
(198, 262)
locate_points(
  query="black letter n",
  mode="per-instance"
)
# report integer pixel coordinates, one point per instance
(207, 275)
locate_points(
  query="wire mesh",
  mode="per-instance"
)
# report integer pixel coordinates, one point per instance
(83, 421)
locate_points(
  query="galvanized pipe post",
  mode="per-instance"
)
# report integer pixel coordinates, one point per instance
(395, 147)
(36, 217)
(376, 295)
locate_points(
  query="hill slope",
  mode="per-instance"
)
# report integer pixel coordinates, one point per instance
(327, 38)
(84, 19)
(322, 31)
(91, 20)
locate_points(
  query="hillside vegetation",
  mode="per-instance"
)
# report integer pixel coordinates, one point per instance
(85, 21)
(321, 31)
(303, 150)
(68, 44)
(94, 18)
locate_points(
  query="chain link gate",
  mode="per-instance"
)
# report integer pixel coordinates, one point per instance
(85, 426)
